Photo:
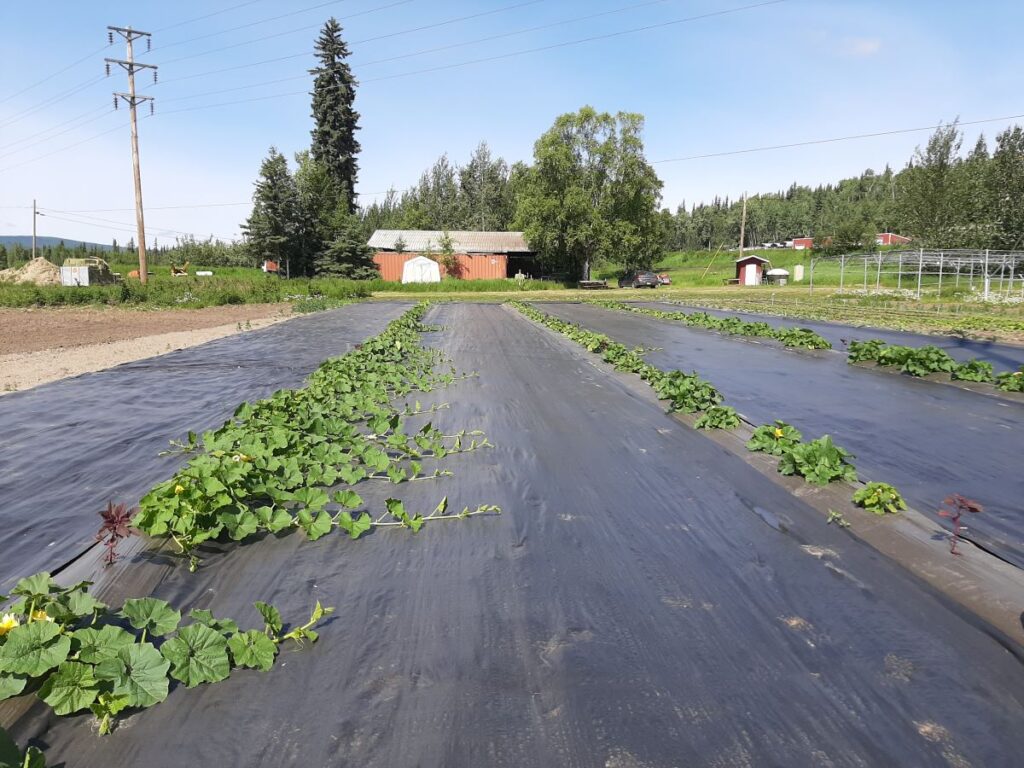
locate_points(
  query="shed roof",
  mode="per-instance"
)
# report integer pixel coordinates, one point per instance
(462, 242)
(754, 256)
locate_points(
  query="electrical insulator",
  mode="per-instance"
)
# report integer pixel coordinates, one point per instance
(154, 77)
(110, 38)
(152, 109)
(149, 43)
(115, 102)
(108, 69)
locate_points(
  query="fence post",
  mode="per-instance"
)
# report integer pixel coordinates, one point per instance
(941, 255)
(985, 276)
(899, 273)
(920, 268)
(878, 275)
(842, 271)
(865, 274)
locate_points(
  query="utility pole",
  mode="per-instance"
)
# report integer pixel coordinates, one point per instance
(34, 214)
(743, 224)
(130, 66)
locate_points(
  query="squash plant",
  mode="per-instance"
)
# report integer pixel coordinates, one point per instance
(1011, 381)
(974, 370)
(879, 499)
(273, 465)
(775, 438)
(819, 462)
(733, 326)
(718, 417)
(77, 655)
(12, 757)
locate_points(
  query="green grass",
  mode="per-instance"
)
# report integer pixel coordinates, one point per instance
(227, 286)
(452, 286)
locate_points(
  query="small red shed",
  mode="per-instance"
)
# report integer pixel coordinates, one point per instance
(750, 269)
(803, 243)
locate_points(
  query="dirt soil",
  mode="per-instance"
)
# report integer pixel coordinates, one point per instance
(42, 345)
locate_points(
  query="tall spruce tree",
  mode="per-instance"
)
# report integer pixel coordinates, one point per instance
(335, 119)
(272, 230)
(347, 255)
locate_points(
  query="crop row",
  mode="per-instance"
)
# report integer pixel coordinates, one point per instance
(77, 655)
(921, 361)
(731, 326)
(818, 462)
(271, 467)
(288, 461)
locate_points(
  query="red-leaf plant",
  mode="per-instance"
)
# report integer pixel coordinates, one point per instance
(116, 526)
(957, 505)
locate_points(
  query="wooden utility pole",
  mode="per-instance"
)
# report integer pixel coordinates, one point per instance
(130, 66)
(34, 214)
(743, 225)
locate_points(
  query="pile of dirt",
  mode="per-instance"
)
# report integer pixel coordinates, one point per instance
(37, 272)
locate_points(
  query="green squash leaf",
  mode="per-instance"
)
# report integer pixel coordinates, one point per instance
(253, 649)
(11, 685)
(139, 673)
(197, 654)
(71, 688)
(33, 649)
(315, 527)
(96, 645)
(271, 617)
(348, 498)
(39, 585)
(206, 618)
(153, 615)
(274, 519)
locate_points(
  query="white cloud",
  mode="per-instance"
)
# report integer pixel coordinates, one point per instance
(861, 47)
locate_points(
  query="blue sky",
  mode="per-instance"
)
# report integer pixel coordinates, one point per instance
(786, 72)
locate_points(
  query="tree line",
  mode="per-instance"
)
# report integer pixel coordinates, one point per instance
(944, 197)
(208, 253)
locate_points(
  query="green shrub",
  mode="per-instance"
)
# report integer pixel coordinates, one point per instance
(801, 337)
(819, 462)
(879, 499)
(686, 392)
(775, 439)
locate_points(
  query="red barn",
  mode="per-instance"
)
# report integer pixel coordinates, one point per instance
(888, 238)
(803, 243)
(479, 255)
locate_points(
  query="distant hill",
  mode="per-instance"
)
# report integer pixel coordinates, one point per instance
(44, 242)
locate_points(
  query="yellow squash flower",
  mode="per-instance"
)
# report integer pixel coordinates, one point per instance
(178, 490)
(7, 623)
(778, 432)
(41, 616)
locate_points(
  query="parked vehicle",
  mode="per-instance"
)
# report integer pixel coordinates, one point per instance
(664, 279)
(639, 280)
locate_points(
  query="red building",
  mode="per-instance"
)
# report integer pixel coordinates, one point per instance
(479, 255)
(803, 243)
(888, 238)
(750, 270)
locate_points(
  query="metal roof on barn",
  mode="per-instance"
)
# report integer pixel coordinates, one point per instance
(417, 240)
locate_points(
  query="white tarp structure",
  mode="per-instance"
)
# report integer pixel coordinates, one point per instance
(421, 270)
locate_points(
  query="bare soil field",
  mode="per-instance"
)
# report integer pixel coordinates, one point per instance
(33, 330)
(43, 345)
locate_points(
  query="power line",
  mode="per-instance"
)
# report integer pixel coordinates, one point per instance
(53, 128)
(813, 142)
(64, 149)
(245, 26)
(430, 50)
(78, 123)
(207, 16)
(154, 207)
(50, 77)
(52, 100)
(286, 32)
(356, 42)
(499, 57)
(123, 226)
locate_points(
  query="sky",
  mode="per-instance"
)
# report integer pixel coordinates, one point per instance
(439, 76)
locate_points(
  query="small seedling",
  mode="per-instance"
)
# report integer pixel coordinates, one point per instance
(837, 518)
(879, 499)
(117, 526)
(954, 507)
